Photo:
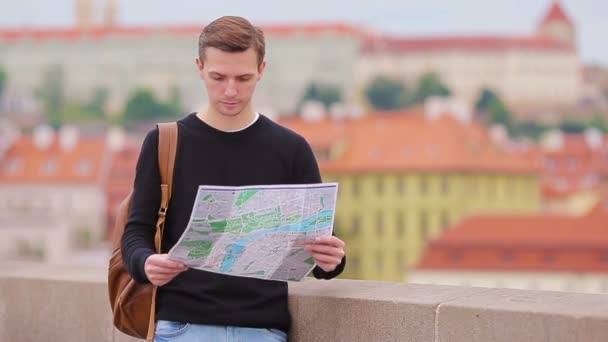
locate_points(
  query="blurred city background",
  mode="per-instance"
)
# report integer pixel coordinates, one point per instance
(469, 138)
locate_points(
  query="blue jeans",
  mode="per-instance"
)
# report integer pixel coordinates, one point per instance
(167, 331)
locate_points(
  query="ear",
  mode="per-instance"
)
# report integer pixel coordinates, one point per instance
(261, 69)
(200, 66)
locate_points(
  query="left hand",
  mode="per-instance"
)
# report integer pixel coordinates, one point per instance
(327, 251)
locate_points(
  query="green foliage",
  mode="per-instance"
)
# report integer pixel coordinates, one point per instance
(599, 121)
(3, 80)
(530, 129)
(493, 110)
(143, 105)
(384, 93)
(572, 126)
(98, 102)
(51, 93)
(428, 85)
(324, 93)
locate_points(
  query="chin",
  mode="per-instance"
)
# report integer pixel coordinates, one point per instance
(230, 113)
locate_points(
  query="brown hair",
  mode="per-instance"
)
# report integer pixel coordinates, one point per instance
(232, 34)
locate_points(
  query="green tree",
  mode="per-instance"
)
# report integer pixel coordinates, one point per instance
(384, 93)
(493, 110)
(97, 103)
(428, 85)
(143, 105)
(175, 101)
(530, 129)
(3, 79)
(599, 121)
(325, 93)
(51, 93)
(572, 126)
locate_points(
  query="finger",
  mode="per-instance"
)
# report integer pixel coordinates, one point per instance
(324, 249)
(326, 267)
(164, 271)
(329, 240)
(166, 263)
(326, 259)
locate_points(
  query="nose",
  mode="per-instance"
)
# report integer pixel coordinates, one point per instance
(230, 89)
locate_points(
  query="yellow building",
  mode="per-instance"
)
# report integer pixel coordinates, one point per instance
(405, 176)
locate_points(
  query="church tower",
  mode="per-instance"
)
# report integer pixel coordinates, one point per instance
(557, 25)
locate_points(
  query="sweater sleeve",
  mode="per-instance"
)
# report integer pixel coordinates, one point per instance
(138, 238)
(306, 171)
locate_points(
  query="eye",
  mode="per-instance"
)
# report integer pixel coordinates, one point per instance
(244, 78)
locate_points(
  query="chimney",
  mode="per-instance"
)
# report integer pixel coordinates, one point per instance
(84, 12)
(68, 138)
(43, 137)
(110, 13)
(313, 111)
(116, 139)
(554, 140)
(436, 106)
(9, 133)
(594, 138)
(499, 135)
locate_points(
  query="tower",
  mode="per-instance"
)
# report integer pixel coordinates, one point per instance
(84, 11)
(110, 12)
(557, 25)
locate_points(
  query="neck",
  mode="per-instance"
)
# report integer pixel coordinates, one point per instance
(225, 122)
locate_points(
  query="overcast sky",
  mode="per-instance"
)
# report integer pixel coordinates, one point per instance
(403, 17)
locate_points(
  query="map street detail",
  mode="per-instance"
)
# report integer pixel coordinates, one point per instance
(257, 231)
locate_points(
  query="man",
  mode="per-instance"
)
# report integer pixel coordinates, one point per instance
(226, 144)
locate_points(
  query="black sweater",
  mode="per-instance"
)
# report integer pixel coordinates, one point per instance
(262, 154)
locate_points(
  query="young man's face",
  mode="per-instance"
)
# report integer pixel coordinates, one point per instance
(230, 79)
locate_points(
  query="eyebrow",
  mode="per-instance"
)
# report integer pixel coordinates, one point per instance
(215, 73)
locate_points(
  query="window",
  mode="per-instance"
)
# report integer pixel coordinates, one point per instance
(400, 224)
(13, 166)
(507, 257)
(400, 185)
(353, 264)
(424, 185)
(424, 225)
(549, 258)
(445, 185)
(400, 261)
(379, 224)
(84, 167)
(379, 260)
(356, 187)
(455, 256)
(356, 225)
(50, 167)
(445, 219)
(379, 186)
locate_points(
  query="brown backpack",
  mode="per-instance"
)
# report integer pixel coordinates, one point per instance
(134, 304)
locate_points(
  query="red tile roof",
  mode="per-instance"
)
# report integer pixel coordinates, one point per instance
(556, 13)
(463, 43)
(398, 141)
(73, 33)
(527, 242)
(24, 163)
(575, 166)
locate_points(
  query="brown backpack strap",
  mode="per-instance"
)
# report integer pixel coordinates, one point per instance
(167, 148)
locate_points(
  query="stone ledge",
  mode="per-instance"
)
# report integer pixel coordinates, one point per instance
(69, 304)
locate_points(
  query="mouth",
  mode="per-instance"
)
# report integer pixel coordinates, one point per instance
(229, 103)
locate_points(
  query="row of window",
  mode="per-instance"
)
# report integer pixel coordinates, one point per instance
(50, 167)
(424, 186)
(380, 257)
(353, 228)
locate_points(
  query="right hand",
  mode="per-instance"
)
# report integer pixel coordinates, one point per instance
(160, 270)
